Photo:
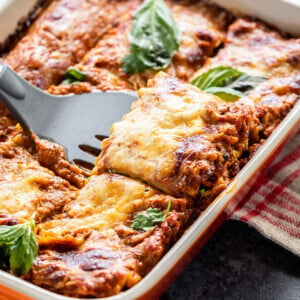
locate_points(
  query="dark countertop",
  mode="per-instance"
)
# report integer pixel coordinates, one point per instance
(239, 263)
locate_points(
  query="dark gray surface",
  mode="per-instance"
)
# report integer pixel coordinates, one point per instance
(239, 263)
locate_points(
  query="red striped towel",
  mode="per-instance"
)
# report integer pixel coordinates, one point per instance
(272, 205)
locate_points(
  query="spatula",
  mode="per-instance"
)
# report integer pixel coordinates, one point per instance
(77, 122)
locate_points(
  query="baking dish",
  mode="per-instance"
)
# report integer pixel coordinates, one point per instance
(10, 13)
(284, 14)
(17, 17)
(175, 260)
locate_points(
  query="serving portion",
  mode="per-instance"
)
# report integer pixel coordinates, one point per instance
(179, 139)
(179, 147)
(105, 255)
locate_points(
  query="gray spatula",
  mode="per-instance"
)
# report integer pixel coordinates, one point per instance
(77, 122)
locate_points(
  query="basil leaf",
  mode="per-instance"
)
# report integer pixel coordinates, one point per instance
(146, 220)
(73, 76)
(18, 247)
(202, 193)
(226, 82)
(216, 77)
(226, 93)
(8, 234)
(246, 83)
(154, 38)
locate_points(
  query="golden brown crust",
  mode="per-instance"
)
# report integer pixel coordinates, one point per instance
(28, 190)
(109, 256)
(60, 37)
(254, 48)
(102, 63)
(274, 99)
(53, 157)
(202, 27)
(178, 139)
(103, 203)
(100, 268)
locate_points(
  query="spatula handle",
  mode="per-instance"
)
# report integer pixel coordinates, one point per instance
(17, 95)
(12, 91)
(10, 84)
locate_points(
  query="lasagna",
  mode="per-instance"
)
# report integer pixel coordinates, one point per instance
(174, 152)
(102, 254)
(189, 140)
(61, 36)
(203, 27)
(28, 190)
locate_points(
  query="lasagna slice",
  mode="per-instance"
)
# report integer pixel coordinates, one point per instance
(101, 254)
(274, 99)
(179, 139)
(253, 48)
(202, 26)
(28, 190)
(60, 37)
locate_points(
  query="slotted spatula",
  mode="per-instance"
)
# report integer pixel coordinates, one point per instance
(77, 122)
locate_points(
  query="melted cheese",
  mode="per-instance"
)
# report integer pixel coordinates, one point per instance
(146, 142)
(60, 37)
(253, 48)
(28, 190)
(19, 193)
(105, 201)
(202, 28)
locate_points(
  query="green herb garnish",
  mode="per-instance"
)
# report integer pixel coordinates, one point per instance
(18, 247)
(201, 193)
(146, 220)
(73, 76)
(154, 38)
(226, 82)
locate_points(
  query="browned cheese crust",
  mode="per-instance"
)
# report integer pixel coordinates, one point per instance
(28, 190)
(202, 27)
(187, 140)
(103, 255)
(253, 48)
(60, 37)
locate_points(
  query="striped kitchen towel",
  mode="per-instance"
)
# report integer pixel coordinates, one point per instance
(272, 206)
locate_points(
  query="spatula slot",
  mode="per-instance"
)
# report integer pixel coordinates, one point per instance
(101, 137)
(84, 164)
(89, 149)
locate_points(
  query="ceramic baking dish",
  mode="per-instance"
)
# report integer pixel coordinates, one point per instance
(171, 265)
(283, 14)
(11, 12)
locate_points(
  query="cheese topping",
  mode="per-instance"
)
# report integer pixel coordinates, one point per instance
(104, 202)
